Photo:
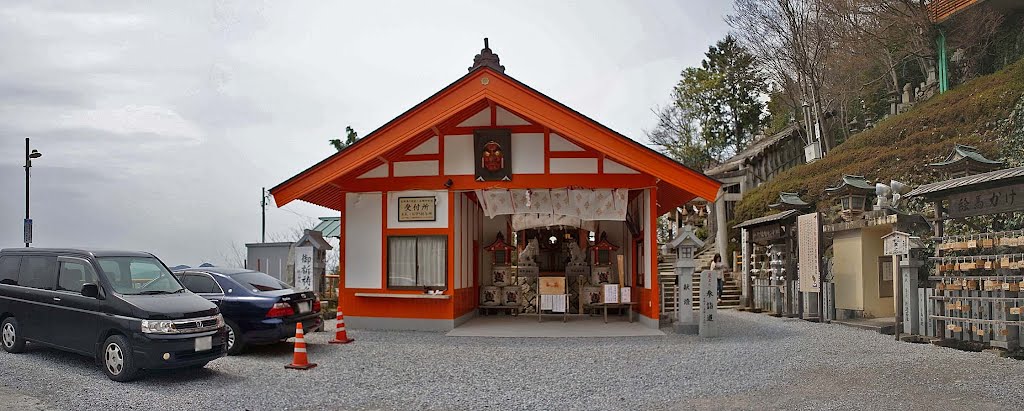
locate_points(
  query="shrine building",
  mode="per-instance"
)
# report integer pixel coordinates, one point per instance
(492, 195)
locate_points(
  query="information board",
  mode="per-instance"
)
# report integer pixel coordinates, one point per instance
(808, 232)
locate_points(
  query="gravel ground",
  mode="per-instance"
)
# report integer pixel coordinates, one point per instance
(759, 362)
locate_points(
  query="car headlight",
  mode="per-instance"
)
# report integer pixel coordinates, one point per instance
(220, 320)
(156, 327)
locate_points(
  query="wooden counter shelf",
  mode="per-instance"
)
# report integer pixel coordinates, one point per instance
(413, 296)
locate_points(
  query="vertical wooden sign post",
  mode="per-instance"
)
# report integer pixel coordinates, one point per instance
(708, 304)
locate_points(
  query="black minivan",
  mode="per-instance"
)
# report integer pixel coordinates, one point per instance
(123, 308)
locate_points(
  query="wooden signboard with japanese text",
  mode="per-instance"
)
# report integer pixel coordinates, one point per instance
(766, 233)
(551, 285)
(417, 209)
(990, 201)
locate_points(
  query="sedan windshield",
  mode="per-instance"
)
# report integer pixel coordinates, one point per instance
(257, 281)
(139, 276)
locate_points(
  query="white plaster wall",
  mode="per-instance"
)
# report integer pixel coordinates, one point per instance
(478, 214)
(467, 238)
(416, 168)
(559, 143)
(483, 118)
(363, 237)
(573, 166)
(458, 155)
(428, 147)
(527, 153)
(441, 212)
(503, 117)
(380, 171)
(458, 241)
(611, 167)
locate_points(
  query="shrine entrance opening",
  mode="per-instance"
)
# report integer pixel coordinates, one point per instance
(533, 276)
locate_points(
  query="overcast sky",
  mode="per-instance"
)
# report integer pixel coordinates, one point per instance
(159, 122)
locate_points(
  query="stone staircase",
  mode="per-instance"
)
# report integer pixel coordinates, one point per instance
(666, 275)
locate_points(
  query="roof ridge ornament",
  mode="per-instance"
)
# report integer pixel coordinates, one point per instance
(487, 58)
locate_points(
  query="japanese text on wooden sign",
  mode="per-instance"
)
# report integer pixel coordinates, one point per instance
(417, 209)
(991, 201)
(808, 230)
(766, 233)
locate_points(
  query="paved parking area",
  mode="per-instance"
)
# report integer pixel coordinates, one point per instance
(760, 362)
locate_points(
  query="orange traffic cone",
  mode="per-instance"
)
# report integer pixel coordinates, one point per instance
(299, 360)
(340, 336)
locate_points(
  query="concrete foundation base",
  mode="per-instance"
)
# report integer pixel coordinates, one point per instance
(411, 324)
(692, 329)
(575, 326)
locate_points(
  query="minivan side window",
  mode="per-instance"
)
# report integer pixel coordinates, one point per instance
(38, 272)
(73, 275)
(9, 265)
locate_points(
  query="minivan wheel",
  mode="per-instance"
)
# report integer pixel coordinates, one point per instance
(117, 360)
(10, 338)
(233, 339)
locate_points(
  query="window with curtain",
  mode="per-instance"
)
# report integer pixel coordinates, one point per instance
(417, 261)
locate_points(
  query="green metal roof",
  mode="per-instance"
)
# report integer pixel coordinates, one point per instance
(852, 183)
(789, 201)
(329, 226)
(965, 153)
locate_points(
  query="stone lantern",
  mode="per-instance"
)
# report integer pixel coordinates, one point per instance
(852, 196)
(899, 245)
(685, 246)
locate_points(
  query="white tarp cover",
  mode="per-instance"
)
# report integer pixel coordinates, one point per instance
(582, 204)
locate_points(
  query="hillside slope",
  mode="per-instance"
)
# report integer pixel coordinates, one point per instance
(987, 113)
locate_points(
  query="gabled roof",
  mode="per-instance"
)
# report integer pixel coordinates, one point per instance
(329, 226)
(854, 184)
(753, 150)
(754, 222)
(481, 84)
(973, 182)
(966, 160)
(313, 238)
(686, 235)
(789, 201)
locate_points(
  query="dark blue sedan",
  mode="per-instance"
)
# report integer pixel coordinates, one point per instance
(257, 308)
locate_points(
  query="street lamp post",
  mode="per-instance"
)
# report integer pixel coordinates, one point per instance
(28, 164)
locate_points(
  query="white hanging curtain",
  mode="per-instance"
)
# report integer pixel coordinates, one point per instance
(527, 221)
(531, 201)
(431, 257)
(546, 207)
(600, 204)
(496, 202)
(402, 261)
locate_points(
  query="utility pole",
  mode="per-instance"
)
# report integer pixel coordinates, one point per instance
(28, 164)
(263, 208)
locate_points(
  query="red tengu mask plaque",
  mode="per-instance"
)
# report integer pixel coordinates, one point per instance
(494, 155)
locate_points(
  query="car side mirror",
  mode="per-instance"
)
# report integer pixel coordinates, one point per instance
(90, 290)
